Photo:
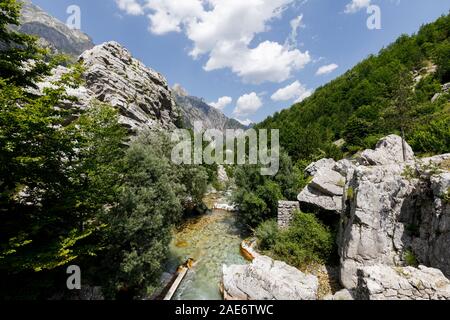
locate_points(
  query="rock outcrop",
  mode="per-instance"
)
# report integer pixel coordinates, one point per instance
(382, 282)
(266, 279)
(389, 150)
(142, 95)
(53, 33)
(326, 188)
(393, 212)
(113, 76)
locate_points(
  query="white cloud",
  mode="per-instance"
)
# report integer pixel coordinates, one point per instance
(356, 5)
(269, 61)
(326, 69)
(130, 7)
(248, 104)
(295, 25)
(245, 122)
(293, 91)
(221, 103)
(225, 30)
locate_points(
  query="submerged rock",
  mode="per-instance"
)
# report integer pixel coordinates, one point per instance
(267, 279)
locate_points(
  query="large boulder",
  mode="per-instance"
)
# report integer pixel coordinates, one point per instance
(382, 282)
(326, 188)
(388, 150)
(267, 279)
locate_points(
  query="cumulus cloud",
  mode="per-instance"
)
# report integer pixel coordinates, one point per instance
(295, 91)
(248, 104)
(131, 7)
(224, 31)
(221, 103)
(327, 69)
(357, 5)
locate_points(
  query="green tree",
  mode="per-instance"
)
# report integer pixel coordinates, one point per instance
(21, 60)
(140, 225)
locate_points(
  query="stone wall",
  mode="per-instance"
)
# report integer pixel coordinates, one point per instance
(286, 211)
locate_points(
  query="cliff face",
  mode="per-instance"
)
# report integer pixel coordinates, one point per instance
(195, 109)
(52, 32)
(113, 76)
(141, 94)
(393, 212)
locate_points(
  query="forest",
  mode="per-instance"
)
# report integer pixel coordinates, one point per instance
(399, 91)
(74, 188)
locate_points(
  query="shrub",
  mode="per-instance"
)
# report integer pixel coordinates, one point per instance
(306, 241)
(267, 234)
(410, 259)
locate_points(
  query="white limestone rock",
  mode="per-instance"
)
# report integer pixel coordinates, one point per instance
(267, 279)
(388, 150)
(381, 282)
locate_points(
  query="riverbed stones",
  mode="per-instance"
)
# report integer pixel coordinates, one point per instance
(267, 279)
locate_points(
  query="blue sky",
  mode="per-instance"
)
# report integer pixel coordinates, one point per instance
(253, 57)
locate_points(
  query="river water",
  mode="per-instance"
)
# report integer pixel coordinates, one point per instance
(211, 240)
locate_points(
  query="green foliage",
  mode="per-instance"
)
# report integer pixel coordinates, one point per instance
(305, 242)
(411, 259)
(442, 54)
(18, 49)
(376, 98)
(267, 234)
(410, 173)
(140, 225)
(446, 196)
(257, 196)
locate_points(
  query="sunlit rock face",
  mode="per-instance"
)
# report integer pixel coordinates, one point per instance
(141, 94)
(391, 206)
(267, 279)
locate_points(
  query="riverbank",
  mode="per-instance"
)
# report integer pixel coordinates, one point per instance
(211, 240)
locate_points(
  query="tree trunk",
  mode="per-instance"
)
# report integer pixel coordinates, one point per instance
(403, 144)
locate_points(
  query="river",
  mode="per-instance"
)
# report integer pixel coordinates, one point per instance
(212, 240)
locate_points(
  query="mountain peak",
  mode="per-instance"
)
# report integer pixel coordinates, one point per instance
(52, 32)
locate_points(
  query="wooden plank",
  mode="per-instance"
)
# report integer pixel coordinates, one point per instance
(181, 274)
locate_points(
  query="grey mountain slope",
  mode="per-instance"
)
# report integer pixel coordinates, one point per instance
(52, 32)
(196, 109)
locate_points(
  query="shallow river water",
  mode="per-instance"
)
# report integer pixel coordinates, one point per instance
(211, 240)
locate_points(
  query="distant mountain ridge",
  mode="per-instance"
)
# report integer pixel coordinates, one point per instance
(62, 39)
(196, 109)
(52, 32)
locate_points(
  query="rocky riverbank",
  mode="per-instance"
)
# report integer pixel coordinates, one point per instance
(394, 228)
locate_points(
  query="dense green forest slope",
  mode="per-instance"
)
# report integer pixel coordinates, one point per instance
(379, 96)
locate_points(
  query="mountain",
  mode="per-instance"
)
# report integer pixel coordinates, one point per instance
(196, 109)
(52, 32)
(113, 76)
(403, 88)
